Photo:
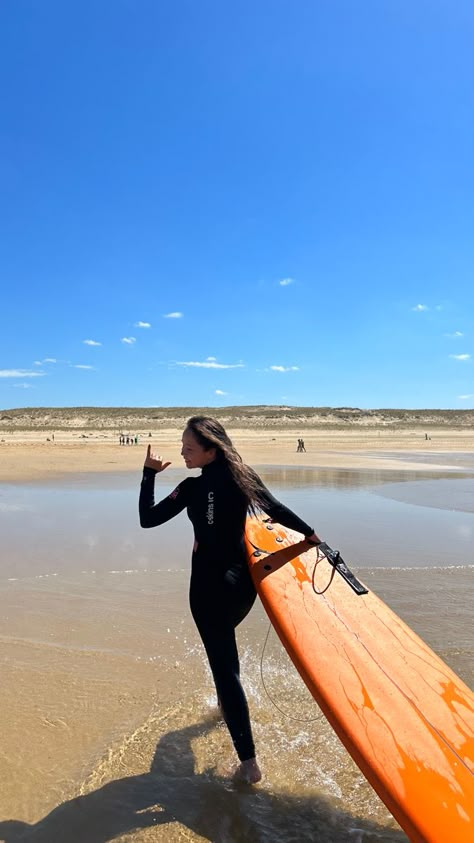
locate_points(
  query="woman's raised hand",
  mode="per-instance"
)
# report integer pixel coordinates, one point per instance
(152, 461)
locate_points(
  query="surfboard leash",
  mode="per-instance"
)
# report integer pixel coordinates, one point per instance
(337, 563)
(333, 571)
(285, 714)
(335, 560)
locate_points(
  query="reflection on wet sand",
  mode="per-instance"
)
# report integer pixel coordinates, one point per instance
(340, 478)
(456, 495)
(446, 459)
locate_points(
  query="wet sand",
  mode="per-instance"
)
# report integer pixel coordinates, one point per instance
(108, 726)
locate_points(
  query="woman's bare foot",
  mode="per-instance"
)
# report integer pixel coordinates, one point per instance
(248, 771)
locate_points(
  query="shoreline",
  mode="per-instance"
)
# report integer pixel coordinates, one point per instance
(104, 651)
(36, 456)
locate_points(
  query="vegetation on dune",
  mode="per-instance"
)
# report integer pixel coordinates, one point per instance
(261, 416)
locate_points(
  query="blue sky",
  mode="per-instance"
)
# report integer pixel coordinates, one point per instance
(256, 203)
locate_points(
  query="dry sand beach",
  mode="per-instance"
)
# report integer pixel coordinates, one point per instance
(107, 729)
(30, 456)
(40, 443)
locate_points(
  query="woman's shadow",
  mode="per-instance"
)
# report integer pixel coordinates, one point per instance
(208, 804)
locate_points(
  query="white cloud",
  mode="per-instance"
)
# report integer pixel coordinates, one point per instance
(20, 373)
(174, 315)
(285, 282)
(420, 307)
(91, 342)
(23, 385)
(460, 356)
(220, 392)
(284, 368)
(46, 360)
(209, 364)
(455, 335)
(142, 325)
(466, 397)
(128, 340)
(81, 366)
(211, 358)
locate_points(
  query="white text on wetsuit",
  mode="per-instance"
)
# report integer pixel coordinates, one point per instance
(210, 508)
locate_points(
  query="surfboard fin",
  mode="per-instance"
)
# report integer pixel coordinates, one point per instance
(335, 559)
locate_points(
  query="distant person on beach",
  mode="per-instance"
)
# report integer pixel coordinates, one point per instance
(221, 592)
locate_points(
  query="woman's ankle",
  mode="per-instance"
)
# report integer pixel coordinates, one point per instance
(249, 771)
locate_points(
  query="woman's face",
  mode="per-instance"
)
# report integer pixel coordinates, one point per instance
(194, 455)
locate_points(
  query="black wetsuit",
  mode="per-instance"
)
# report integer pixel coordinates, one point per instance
(221, 590)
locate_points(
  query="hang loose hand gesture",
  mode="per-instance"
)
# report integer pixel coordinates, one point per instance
(152, 461)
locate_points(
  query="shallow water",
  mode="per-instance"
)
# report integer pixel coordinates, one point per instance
(106, 694)
(378, 518)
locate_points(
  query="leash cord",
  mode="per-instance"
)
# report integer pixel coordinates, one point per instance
(262, 677)
(333, 571)
(285, 714)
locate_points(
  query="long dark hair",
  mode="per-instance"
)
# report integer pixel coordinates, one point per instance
(210, 433)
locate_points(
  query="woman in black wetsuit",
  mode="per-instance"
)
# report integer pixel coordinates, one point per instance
(221, 590)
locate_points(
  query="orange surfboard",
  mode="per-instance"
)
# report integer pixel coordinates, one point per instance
(402, 713)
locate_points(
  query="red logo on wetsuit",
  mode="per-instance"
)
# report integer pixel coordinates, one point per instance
(174, 493)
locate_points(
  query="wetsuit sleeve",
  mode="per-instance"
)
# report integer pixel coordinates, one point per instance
(152, 514)
(281, 514)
